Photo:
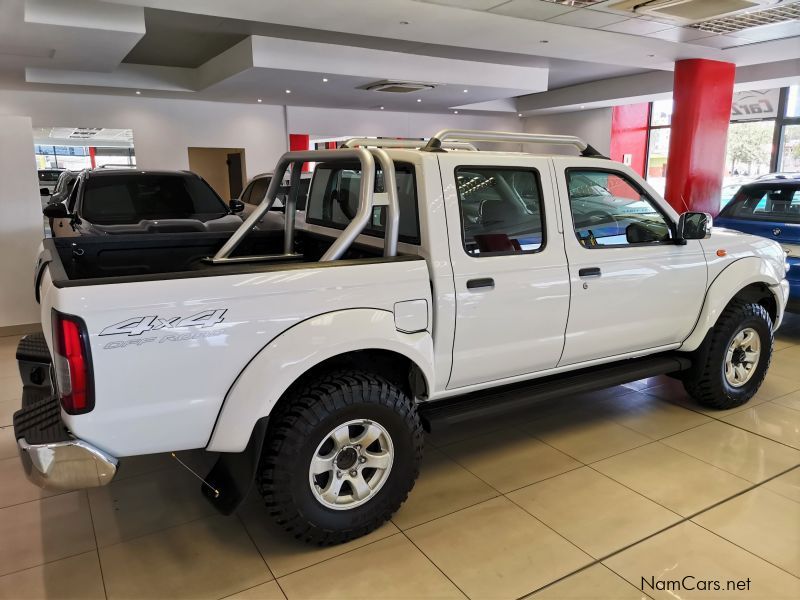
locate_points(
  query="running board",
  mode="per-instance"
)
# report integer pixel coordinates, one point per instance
(458, 409)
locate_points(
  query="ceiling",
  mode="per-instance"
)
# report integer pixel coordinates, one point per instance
(516, 55)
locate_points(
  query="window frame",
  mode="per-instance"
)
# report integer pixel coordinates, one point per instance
(415, 240)
(727, 211)
(538, 179)
(673, 228)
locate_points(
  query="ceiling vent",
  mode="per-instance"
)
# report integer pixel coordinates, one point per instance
(689, 11)
(398, 87)
(732, 24)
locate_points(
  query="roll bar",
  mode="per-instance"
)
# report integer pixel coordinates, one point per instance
(467, 135)
(367, 199)
(410, 144)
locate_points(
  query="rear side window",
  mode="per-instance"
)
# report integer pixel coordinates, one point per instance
(334, 197)
(109, 200)
(768, 203)
(501, 210)
(257, 190)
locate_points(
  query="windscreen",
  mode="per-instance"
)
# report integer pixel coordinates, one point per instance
(130, 198)
(780, 203)
(49, 176)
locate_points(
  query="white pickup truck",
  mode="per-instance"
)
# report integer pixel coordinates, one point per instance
(421, 285)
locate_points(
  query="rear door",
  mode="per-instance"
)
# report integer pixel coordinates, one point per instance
(634, 289)
(509, 267)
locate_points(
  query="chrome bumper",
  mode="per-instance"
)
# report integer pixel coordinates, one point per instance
(66, 465)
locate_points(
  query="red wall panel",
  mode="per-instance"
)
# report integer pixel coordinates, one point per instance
(702, 96)
(629, 134)
(300, 141)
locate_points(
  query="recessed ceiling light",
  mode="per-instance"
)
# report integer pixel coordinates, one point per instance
(465, 91)
(138, 93)
(288, 91)
(519, 114)
(651, 55)
(544, 41)
(381, 108)
(583, 106)
(404, 22)
(324, 80)
(455, 112)
(419, 99)
(259, 100)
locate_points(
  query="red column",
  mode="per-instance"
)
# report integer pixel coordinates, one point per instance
(300, 141)
(702, 96)
(629, 134)
(91, 156)
(330, 145)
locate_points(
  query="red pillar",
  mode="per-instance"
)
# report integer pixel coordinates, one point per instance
(330, 145)
(92, 151)
(702, 96)
(300, 141)
(629, 134)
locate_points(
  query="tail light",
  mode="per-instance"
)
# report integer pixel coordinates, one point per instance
(73, 365)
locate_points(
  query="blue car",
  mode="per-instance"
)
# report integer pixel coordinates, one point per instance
(770, 208)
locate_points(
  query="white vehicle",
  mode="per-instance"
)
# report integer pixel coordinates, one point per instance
(313, 358)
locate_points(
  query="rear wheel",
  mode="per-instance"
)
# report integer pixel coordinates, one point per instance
(340, 457)
(731, 364)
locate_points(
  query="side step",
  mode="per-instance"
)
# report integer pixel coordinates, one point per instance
(451, 411)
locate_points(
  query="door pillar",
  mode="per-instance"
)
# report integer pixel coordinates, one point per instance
(702, 96)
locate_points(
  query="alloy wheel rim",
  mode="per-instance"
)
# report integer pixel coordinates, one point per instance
(741, 359)
(351, 464)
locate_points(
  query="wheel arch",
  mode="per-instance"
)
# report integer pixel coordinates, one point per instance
(363, 337)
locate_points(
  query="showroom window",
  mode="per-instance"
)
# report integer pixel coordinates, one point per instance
(608, 209)
(334, 197)
(501, 210)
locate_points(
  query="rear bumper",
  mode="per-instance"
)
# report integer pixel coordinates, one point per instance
(51, 456)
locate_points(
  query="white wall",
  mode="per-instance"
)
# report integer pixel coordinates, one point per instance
(593, 126)
(20, 222)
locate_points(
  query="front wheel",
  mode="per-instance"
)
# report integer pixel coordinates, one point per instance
(341, 457)
(731, 364)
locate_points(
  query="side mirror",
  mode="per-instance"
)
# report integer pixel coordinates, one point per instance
(695, 226)
(56, 211)
(236, 205)
(44, 191)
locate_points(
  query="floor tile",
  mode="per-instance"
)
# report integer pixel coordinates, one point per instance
(443, 487)
(76, 577)
(10, 387)
(689, 550)
(587, 437)
(283, 553)
(671, 478)
(652, 416)
(735, 450)
(391, 568)
(16, 488)
(266, 591)
(210, 558)
(497, 550)
(146, 504)
(787, 485)
(770, 420)
(789, 401)
(762, 522)
(8, 443)
(595, 583)
(595, 513)
(44, 530)
(785, 363)
(443, 435)
(510, 459)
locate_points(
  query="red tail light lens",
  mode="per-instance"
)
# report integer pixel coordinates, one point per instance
(72, 363)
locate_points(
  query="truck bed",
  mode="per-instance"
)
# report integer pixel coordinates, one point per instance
(126, 258)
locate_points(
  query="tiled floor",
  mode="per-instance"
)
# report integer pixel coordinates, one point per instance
(605, 495)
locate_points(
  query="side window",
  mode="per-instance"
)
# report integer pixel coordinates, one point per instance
(334, 198)
(608, 209)
(245, 197)
(501, 210)
(73, 195)
(258, 189)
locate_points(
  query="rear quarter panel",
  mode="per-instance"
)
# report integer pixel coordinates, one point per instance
(161, 378)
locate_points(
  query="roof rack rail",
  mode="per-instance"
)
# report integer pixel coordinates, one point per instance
(411, 144)
(468, 135)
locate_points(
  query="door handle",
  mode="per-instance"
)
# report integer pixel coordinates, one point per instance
(483, 282)
(589, 272)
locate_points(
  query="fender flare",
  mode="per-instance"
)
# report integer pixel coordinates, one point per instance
(726, 285)
(296, 350)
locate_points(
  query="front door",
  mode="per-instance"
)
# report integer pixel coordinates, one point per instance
(509, 267)
(633, 287)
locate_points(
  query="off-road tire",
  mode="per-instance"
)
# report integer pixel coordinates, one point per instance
(705, 381)
(302, 423)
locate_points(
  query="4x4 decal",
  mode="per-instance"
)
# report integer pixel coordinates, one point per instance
(139, 325)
